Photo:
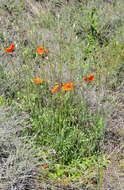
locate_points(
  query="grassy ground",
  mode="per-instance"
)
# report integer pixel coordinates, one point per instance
(70, 125)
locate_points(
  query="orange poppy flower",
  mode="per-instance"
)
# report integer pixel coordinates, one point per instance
(10, 48)
(45, 166)
(37, 80)
(68, 86)
(55, 88)
(89, 78)
(40, 50)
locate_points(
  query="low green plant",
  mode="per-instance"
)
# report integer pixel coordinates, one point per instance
(60, 122)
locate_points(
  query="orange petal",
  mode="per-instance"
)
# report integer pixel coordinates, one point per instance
(40, 50)
(10, 48)
(37, 80)
(45, 166)
(89, 78)
(68, 86)
(55, 88)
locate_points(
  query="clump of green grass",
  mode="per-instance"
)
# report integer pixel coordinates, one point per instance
(71, 129)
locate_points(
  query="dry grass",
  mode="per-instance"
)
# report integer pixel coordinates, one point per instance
(82, 37)
(18, 160)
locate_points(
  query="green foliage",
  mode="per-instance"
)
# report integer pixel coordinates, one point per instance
(80, 42)
(64, 125)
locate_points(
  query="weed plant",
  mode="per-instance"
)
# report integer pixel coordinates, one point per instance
(82, 38)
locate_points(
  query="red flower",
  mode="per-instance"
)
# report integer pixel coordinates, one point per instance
(89, 78)
(45, 166)
(40, 50)
(11, 48)
(68, 86)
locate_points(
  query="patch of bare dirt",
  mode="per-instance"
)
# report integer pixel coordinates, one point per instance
(114, 144)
